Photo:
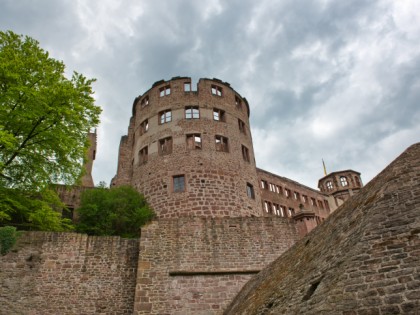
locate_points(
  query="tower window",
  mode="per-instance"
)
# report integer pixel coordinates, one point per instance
(219, 115)
(179, 183)
(343, 181)
(192, 112)
(165, 146)
(250, 191)
(187, 87)
(238, 102)
(216, 90)
(144, 126)
(194, 141)
(143, 155)
(221, 144)
(245, 154)
(164, 91)
(165, 116)
(329, 185)
(145, 101)
(242, 127)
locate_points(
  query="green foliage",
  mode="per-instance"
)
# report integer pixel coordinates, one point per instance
(8, 237)
(44, 117)
(116, 211)
(32, 211)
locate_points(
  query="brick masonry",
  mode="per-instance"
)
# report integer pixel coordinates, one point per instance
(68, 273)
(197, 265)
(364, 259)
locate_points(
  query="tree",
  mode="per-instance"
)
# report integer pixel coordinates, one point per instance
(33, 210)
(116, 211)
(44, 117)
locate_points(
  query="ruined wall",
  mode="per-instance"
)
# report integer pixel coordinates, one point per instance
(68, 273)
(197, 265)
(363, 259)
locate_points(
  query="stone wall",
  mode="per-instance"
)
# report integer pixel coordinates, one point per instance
(197, 265)
(68, 273)
(363, 259)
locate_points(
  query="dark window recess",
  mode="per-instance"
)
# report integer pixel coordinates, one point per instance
(179, 183)
(165, 146)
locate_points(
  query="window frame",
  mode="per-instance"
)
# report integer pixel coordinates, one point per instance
(165, 91)
(143, 155)
(144, 127)
(166, 118)
(193, 112)
(178, 187)
(216, 90)
(165, 146)
(192, 141)
(221, 115)
(245, 154)
(250, 191)
(222, 143)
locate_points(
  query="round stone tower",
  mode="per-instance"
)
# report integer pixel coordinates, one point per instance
(190, 151)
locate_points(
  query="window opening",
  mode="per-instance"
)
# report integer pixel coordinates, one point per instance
(192, 112)
(216, 90)
(165, 146)
(219, 115)
(221, 144)
(242, 127)
(165, 116)
(250, 190)
(143, 155)
(145, 101)
(144, 127)
(179, 183)
(264, 184)
(187, 87)
(245, 154)
(165, 91)
(343, 181)
(194, 141)
(329, 185)
(238, 102)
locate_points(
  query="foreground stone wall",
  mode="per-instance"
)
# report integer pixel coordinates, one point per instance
(68, 273)
(364, 259)
(197, 265)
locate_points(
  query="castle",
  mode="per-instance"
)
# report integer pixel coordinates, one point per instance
(220, 221)
(190, 153)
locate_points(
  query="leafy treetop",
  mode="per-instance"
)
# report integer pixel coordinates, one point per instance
(44, 117)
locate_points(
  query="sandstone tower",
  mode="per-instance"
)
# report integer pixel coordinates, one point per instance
(190, 151)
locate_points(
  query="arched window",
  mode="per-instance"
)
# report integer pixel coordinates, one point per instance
(329, 185)
(343, 181)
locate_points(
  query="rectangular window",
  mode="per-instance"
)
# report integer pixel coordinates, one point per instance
(327, 205)
(216, 90)
(165, 116)
(278, 189)
(291, 212)
(192, 112)
(143, 155)
(245, 153)
(276, 209)
(283, 211)
(287, 192)
(267, 206)
(313, 202)
(187, 87)
(219, 115)
(238, 103)
(165, 146)
(194, 141)
(144, 126)
(145, 101)
(164, 91)
(179, 183)
(221, 144)
(320, 204)
(305, 198)
(264, 184)
(296, 195)
(250, 190)
(242, 127)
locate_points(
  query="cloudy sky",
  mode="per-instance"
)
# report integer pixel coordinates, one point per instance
(331, 79)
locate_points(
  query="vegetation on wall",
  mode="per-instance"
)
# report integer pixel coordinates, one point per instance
(116, 211)
(8, 237)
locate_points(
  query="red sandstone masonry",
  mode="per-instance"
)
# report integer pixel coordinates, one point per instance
(197, 265)
(68, 273)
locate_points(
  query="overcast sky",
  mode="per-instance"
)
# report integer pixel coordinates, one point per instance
(338, 80)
